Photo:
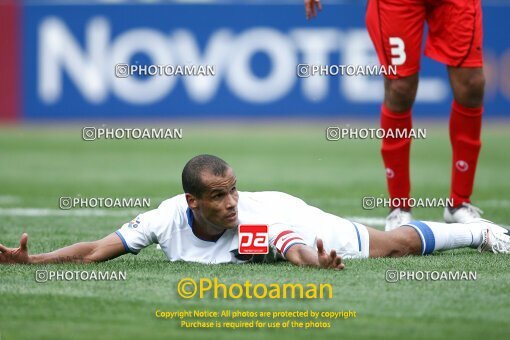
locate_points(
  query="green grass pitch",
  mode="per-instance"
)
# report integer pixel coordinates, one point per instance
(40, 164)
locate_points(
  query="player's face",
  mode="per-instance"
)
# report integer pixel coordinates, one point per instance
(218, 205)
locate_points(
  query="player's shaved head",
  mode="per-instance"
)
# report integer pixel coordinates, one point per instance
(192, 173)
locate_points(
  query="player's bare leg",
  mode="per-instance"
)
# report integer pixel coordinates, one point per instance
(465, 129)
(399, 96)
(396, 243)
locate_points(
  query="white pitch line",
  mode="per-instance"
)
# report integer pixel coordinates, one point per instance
(368, 221)
(45, 212)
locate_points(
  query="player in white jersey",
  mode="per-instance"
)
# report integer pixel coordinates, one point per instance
(290, 221)
(201, 226)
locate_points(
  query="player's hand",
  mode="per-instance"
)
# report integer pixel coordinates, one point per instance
(15, 255)
(311, 7)
(331, 260)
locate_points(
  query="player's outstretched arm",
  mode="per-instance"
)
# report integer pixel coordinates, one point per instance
(84, 252)
(303, 255)
(311, 7)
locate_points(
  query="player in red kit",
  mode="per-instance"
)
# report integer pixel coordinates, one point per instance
(454, 38)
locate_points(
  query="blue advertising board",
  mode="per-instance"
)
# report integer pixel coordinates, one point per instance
(70, 53)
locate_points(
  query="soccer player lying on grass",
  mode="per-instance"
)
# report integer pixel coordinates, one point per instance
(201, 226)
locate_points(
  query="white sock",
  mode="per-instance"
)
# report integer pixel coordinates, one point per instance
(443, 236)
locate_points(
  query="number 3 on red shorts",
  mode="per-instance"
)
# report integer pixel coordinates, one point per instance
(398, 54)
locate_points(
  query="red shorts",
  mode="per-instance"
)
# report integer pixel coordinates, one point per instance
(454, 32)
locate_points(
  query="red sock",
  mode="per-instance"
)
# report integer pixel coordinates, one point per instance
(395, 153)
(465, 128)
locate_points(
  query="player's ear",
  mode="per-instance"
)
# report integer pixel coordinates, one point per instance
(192, 201)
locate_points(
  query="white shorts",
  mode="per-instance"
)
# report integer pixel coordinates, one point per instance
(349, 239)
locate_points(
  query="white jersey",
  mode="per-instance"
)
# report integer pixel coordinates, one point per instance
(290, 221)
